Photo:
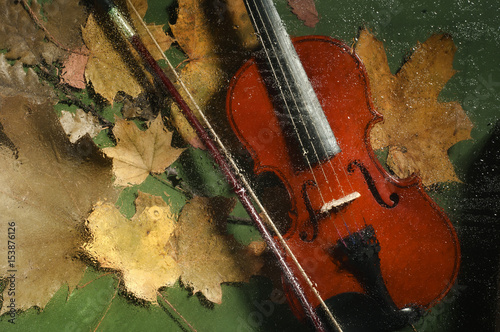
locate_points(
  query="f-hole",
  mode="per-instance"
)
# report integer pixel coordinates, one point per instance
(371, 185)
(306, 235)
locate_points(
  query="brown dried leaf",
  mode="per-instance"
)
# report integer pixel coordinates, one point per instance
(47, 187)
(163, 40)
(20, 35)
(192, 30)
(206, 255)
(201, 74)
(139, 153)
(64, 19)
(15, 81)
(141, 107)
(241, 22)
(306, 11)
(417, 128)
(140, 248)
(26, 42)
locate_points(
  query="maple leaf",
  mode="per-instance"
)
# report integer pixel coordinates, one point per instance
(47, 187)
(306, 11)
(208, 256)
(139, 153)
(140, 248)
(154, 249)
(417, 127)
(35, 155)
(106, 67)
(23, 39)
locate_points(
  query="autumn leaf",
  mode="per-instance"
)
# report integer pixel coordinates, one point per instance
(73, 72)
(417, 127)
(201, 74)
(163, 40)
(206, 71)
(305, 10)
(154, 249)
(208, 256)
(139, 153)
(25, 41)
(14, 80)
(63, 21)
(76, 125)
(47, 187)
(106, 67)
(140, 248)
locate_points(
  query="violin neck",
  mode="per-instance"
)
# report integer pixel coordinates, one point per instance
(294, 97)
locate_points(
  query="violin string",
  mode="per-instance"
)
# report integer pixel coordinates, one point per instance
(287, 107)
(243, 179)
(309, 164)
(322, 145)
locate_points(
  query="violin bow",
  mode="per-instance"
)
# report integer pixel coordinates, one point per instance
(228, 166)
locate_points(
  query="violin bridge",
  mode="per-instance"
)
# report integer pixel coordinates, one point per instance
(333, 204)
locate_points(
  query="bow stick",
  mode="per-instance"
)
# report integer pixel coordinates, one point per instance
(239, 184)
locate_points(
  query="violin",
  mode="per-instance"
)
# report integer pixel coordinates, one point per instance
(377, 249)
(363, 251)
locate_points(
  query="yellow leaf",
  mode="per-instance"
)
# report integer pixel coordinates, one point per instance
(153, 249)
(139, 153)
(106, 68)
(417, 128)
(140, 248)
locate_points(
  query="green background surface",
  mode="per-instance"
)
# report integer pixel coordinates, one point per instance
(472, 205)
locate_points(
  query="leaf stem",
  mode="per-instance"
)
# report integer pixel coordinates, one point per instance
(175, 310)
(186, 192)
(49, 35)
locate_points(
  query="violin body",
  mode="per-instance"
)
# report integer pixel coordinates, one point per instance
(416, 247)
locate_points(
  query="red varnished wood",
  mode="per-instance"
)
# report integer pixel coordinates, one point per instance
(420, 252)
